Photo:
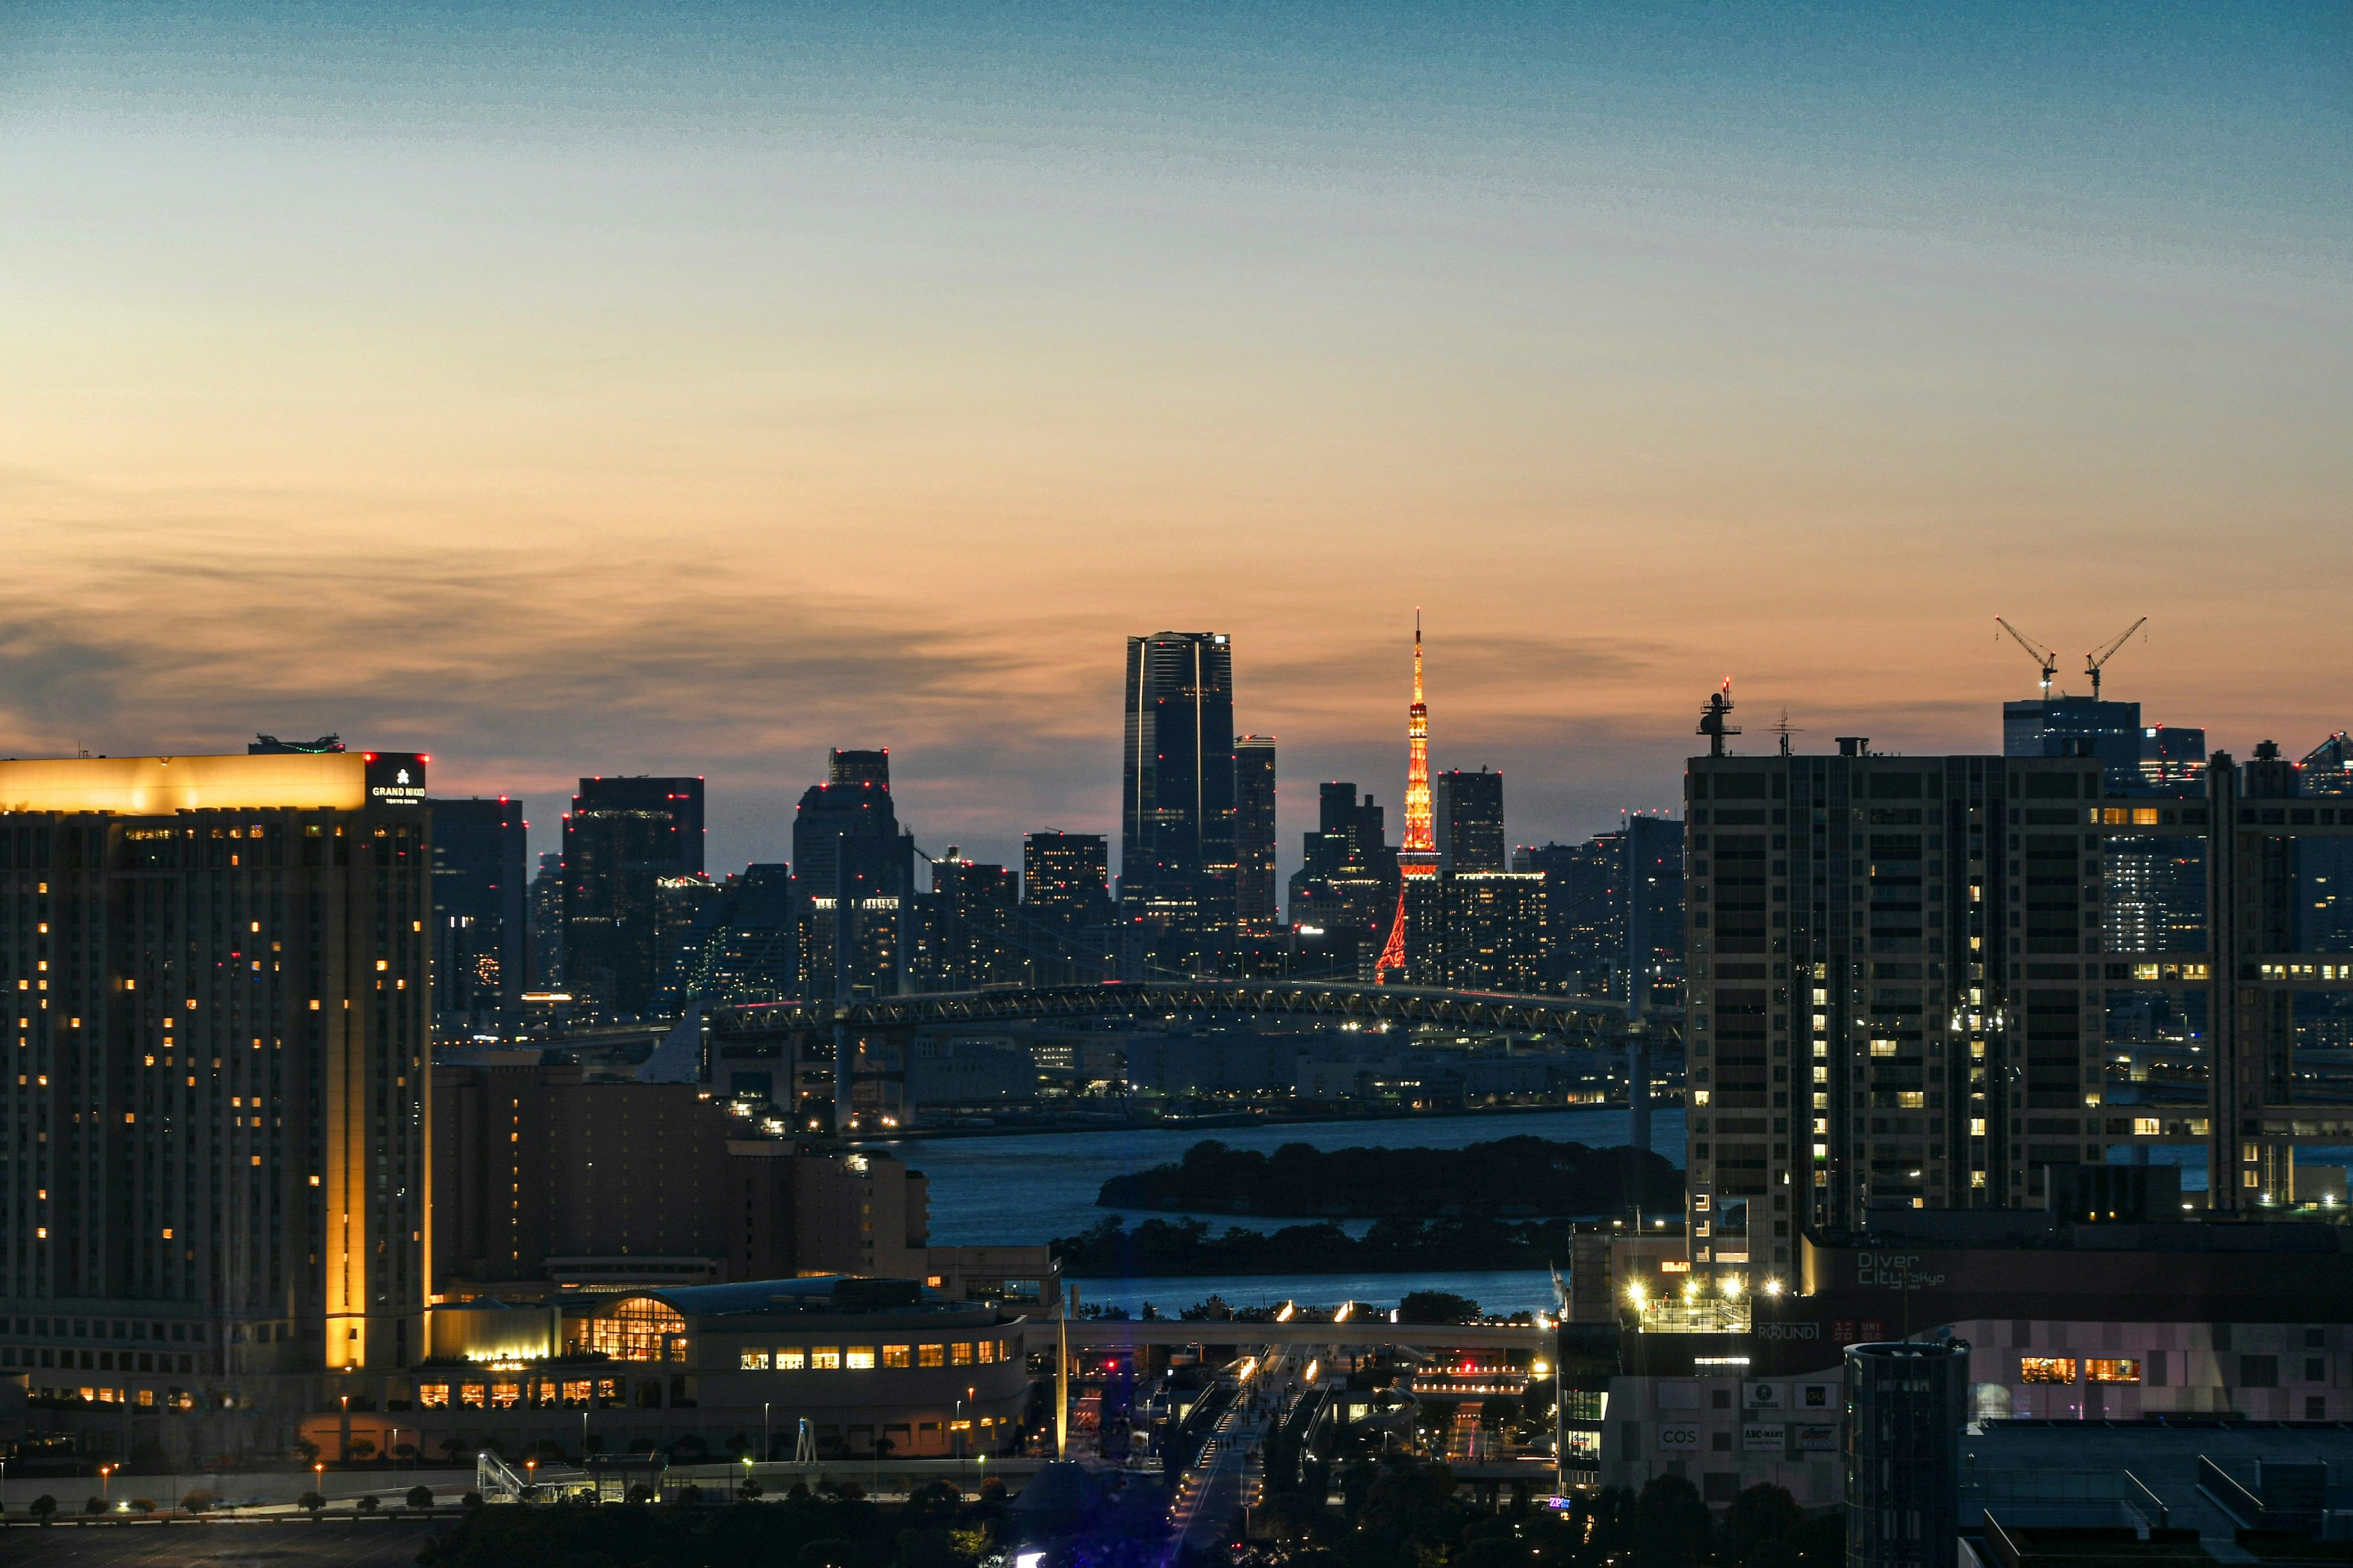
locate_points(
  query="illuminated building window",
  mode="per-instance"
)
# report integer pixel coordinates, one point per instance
(897, 1355)
(505, 1395)
(791, 1358)
(576, 1394)
(931, 1356)
(825, 1358)
(470, 1395)
(960, 1353)
(859, 1358)
(2112, 1371)
(987, 1349)
(635, 1332)
(2046, 1369)
(753, 1361)
(433, 1396)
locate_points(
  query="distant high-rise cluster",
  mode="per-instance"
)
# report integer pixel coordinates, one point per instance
(623, 839)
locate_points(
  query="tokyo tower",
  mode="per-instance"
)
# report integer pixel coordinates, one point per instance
(1418, 856)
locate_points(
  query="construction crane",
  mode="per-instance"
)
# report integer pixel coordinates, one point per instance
(2093, 661)
(2042, 656)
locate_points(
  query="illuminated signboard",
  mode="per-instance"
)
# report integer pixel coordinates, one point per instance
(397, 778)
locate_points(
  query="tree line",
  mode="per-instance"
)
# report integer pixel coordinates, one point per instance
(1519, 1178)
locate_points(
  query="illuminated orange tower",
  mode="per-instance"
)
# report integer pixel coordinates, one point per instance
(1418, 856)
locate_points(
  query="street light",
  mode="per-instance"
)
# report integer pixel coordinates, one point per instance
(767, 1447)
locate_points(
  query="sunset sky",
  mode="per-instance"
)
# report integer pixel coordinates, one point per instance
(693, 387)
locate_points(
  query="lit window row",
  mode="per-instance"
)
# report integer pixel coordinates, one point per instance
(866, 1358)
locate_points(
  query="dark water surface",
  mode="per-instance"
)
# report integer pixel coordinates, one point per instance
(1030, 1187)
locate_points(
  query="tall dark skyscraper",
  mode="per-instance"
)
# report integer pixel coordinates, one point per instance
(193, 941)
(1470, 821)
(1254, 834)
(621, 838)
(1176, 858)
(847, 843)
(753, 953)
(544, 957)
(1348, 879)
(967, 927)
(480, 915)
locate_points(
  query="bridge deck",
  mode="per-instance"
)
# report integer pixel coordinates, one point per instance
(1478, 1010)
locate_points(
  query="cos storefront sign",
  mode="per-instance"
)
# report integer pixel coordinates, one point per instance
(1679, 1437)
(396, 778)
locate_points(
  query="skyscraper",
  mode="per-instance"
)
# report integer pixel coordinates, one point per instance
(621, 837)
(1067, 933)
(847, 844)
(545, 957)
(1479, 931)
(752, 951)
(1254, 834)
(481, 927)
(1065, 879)
(1470, 821)
(1177, 853)
(1347, 879)
(211, 1145)
(968, 925)
(1903, 967)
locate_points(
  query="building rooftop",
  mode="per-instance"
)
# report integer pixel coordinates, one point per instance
(831, 1295)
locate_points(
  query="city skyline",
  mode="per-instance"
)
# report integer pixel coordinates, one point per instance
(695, 392)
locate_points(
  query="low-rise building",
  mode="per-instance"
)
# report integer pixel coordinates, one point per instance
(875, 1367)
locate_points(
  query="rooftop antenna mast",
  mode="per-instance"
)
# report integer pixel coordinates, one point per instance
(2093, 661)
(2042, 656)
(1784, 730)
(1712, 719)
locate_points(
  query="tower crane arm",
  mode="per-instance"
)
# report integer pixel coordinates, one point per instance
(2042, 656)
(2093, 661)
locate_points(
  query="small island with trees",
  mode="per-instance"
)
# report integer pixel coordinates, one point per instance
(1503, 1204)
(1511, 1178)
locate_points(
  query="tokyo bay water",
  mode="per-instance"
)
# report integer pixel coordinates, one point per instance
(1031, 1187)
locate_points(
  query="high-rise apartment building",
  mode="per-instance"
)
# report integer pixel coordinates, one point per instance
(1066, 879)
(1069, 934)
(969, 920)
(1902, 984)
(1468, 809)
(1176, 849)
(1254, 834)
(213, 1144)
(480, 916)
(853, 880)
(1479, 931)
(621, 838)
